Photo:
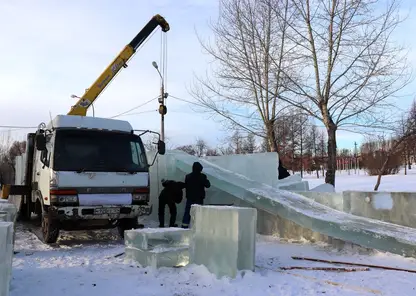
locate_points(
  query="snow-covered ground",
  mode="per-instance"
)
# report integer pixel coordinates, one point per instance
(87, 265)
(84, 269)
(359, 180)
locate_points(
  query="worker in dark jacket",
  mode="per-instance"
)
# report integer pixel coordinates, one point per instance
(282, 171)
(171, 195)
(195, 184)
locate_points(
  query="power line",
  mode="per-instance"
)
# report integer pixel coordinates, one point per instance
(16, 127)
(200, 105)
(186, 101)
(136, 113)
(134, 108)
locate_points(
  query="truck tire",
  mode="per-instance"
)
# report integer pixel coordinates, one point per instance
(127, 224)
(50, 228)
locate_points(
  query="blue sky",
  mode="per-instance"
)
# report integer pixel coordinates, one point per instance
(52, 49)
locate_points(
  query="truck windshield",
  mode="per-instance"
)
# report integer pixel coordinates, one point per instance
(99, 151)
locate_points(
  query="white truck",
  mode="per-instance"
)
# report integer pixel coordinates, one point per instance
(85, 173)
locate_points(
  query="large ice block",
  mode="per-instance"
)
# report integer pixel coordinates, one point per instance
(159, 257)
(260, 167)
(10, 209)
(157, 247)
(150, 238)
(3, 216)
(6, 256)
(223, 238)
(9, 213)
(303, 211)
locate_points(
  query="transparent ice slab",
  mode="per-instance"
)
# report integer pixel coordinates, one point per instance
(223, 238)
(159, 257)
(6, 256)
(151, 238)
(3, 216)
(10, 209)
(260, 167)
(301, 210)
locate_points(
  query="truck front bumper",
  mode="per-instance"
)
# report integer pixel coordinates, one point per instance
(101, 212)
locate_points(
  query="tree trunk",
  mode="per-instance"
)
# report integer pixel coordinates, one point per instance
(271, 137)
(332, 155)
(383, 168)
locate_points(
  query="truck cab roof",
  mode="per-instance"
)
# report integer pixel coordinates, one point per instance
(87, 122)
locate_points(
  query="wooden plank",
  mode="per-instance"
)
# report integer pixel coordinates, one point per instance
(14, 190)
(332, 283)
(355, 264)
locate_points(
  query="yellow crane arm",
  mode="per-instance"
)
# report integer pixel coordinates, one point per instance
(91, 94)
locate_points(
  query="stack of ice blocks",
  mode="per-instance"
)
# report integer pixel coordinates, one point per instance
(8, 213)
(7, 219)
(157, 247)
(223, 238)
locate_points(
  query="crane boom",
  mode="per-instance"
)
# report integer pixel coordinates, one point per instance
(91, 94)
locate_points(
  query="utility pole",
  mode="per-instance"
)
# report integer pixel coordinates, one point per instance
(355, 157)
(162, 106)
(301, 151)
(162, 112)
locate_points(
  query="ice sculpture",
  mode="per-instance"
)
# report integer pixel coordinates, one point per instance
(299, 209)
(157, 247)
(6, 256)
(223, 238)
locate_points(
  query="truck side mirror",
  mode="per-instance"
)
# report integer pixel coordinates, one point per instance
(161, 147)
(40, 142)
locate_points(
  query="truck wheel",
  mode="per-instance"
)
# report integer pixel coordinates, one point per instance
(127, 224)
(50, 228)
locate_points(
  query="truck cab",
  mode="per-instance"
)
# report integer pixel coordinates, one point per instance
(88, 173)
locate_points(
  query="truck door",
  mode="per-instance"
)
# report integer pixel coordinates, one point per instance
(42, 172)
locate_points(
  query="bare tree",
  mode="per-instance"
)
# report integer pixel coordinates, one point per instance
(212, 152)
(349, 65)
(190, 149)
(236, 142)
(8, 154)
(249, 54)
(404, 135)
(264, 145)
(150, 142)
(312, 144)
(225, 150)
(200, 147)
(249, 144)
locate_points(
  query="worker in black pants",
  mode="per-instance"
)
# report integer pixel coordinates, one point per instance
(171, 195)
(195, 184)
